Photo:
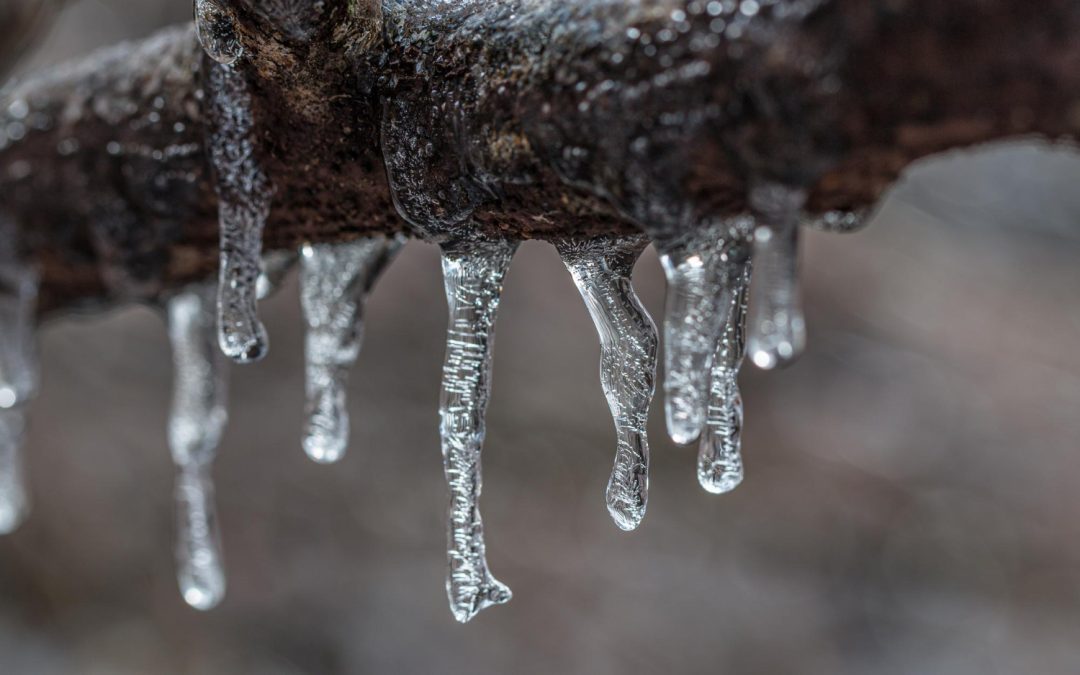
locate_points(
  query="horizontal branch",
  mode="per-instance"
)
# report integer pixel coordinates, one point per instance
(527, 119)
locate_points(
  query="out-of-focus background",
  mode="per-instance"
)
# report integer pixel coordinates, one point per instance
(910, 503)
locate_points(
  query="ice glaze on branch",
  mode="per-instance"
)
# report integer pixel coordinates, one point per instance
(542, 118)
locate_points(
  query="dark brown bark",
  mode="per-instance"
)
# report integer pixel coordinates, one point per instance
(551, 118)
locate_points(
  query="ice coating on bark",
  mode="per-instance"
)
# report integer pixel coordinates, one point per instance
(196, 422)
(473, 273)
(216, 31)
(720, 466)
(244, 204)
(777, 327)
(334, 282)
(601, 270)
(18, 372)
(697, 266)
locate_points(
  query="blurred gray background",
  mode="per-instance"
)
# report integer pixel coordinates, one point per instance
(910, 502)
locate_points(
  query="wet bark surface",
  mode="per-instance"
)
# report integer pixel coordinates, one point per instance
(524, 119)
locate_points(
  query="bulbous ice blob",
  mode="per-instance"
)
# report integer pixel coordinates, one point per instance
(601, 269)
(777, 326)
(216, 29)
(473, 273)
(334, 282)
(720, 466)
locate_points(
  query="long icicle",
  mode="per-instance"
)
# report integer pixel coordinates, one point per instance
(720, 466)
(601, 269)
(196, 422)
(473, 273)
(244, 194)
(334, 282)
(18, 373)
(696, 266)
(777, 326)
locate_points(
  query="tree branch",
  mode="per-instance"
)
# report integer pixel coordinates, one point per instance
(539, 119)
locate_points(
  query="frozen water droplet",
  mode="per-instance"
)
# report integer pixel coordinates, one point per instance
(720, 466)
(697, 266)
(334, 282)
(198, 551)
(216, 30)
(14, 499)
(601, 269)
(777, 327)
(244, 203)
(196, 422)
(473, 273)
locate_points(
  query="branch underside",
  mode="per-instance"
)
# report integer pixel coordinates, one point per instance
(543, 119)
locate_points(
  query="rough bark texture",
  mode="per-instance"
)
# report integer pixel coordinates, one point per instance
(530, 119)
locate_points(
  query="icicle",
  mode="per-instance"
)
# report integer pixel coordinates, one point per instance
(720, 467)
(601, 269)
(14, 500)
(216, 32)
(777, 327)
(18, 372)
(334, 282)
(697, 267)
(244, 204)
(473, 273)
(196, 422)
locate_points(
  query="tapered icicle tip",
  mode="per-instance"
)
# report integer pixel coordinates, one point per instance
(696, 266)
(473, 275)
(601, 269)
(198, 554)
(777, 327)
(14, 499)
(334, 282)
(720, 465)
